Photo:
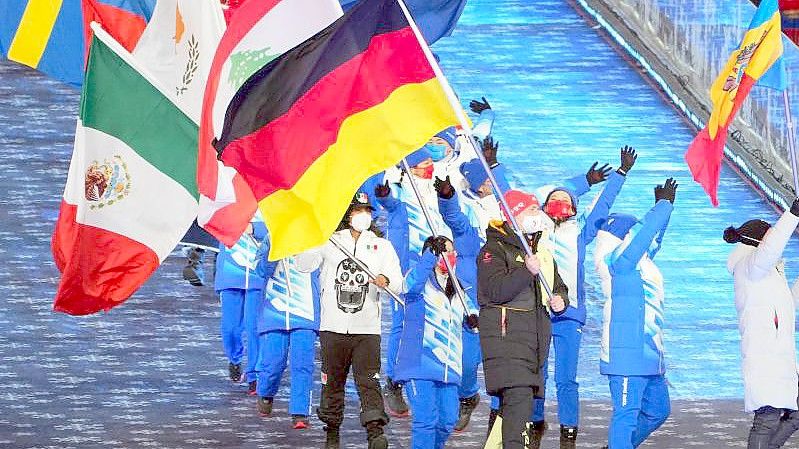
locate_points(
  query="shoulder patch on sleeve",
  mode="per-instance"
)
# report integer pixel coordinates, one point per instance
(487, 257)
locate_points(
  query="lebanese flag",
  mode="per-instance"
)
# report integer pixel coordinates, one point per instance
(259, 32)
(130, 193)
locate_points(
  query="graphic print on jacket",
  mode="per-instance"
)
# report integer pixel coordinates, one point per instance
(352, 284)
(244, 251)
(277, 292)
(652, 283)
(442, 334)
(632, 334)
(653, 306)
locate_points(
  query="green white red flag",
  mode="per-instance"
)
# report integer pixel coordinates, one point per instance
(131, 192)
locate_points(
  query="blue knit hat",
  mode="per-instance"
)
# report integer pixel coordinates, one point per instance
(474, 172)
(418, 156)
(449, 136)
(619, 224)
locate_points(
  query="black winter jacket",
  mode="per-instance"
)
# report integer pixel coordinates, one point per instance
(515, 326)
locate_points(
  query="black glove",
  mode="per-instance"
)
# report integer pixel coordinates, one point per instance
(478, 107)
(597, 175)
(444, 187)
(795, 207)
(472, 321)
(382, 190)
(667, 191)
(438, 245)
(628, 158)
(490, 149)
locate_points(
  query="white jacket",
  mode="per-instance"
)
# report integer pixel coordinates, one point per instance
(766, 314)
(349, 303)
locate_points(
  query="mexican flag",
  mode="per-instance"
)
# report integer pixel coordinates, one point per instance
(131, 192)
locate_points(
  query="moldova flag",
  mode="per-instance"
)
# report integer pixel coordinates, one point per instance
(307, 129)
(757, 60)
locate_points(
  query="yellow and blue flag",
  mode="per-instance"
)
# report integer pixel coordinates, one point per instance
(758, 60)
(46, 35)
(52, 36)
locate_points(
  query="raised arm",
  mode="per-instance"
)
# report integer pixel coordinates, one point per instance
(769, 251)
(417, 278)
(385, 198)
(654, 221)
(485, 122)
(450, 209)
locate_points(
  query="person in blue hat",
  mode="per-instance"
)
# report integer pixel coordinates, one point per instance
(632, 351)
(407, 229)
(450, 148)
(288, 327)
(571, 236)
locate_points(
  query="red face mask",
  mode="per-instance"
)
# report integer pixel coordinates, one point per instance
(452, 257)
(425, 173)
(559, 209)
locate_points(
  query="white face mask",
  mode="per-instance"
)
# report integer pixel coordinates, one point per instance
(535, 223)
(361, 221)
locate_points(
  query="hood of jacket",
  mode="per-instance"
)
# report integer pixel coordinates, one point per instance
(739, 252)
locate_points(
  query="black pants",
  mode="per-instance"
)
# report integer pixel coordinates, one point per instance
(515, 405)
(339, 351)
(772, 427)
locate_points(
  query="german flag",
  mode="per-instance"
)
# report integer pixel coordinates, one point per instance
(306, 130)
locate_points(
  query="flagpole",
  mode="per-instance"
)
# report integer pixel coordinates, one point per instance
(791, 141)
(464, 122)
(450, 269)
(363, 267)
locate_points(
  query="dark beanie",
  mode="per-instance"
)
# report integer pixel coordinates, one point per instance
(749, 233)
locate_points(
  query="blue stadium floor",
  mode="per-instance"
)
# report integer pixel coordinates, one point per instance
(151, 373)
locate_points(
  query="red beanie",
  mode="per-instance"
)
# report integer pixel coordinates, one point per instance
(518, 201)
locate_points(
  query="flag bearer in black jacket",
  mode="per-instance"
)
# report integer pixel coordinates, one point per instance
(515, 313)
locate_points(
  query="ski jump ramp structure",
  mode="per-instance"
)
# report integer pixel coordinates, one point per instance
(682, 45)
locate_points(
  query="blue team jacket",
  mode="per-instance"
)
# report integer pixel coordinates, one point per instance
(289, 306)
(235, 267)
(431, 345)
(571, 239)
(633, 331)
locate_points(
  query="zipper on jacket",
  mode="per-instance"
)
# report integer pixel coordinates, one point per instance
(503, 321)
(449, 340)
(247, 277)
(289, 296)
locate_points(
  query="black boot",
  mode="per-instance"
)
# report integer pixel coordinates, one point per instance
(193, 271)
(395, 403)
(375, 436)
(465, 414)
(492, 417)
(234, 372)
(534, 434)
(264, 406)
(568, 437)
(332, 438)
